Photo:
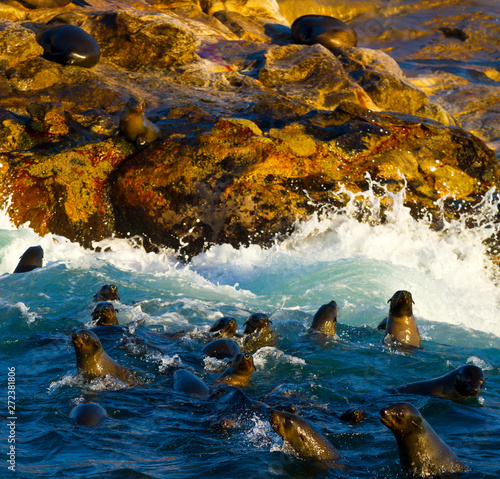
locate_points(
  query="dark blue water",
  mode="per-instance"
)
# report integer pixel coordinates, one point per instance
(153, 431)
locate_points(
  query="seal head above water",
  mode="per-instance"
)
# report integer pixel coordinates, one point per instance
(421, 451)
(222, 348)
(224, 328)
(303, 438)
(31, 259)
(104, 314)
(93, 362)
(325, 319)
(88, 414)
(239, 371)
(401, 327)
(461, 383)
(108, 292)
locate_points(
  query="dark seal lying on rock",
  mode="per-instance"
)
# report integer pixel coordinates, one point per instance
(463, 382)
(69, 45)
(31, 259)
(93, 362)
(327, 31)
(421, 451)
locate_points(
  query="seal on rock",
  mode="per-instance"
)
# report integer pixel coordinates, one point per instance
(134, 125)
(93, 362)
(187, 383)
(108, 292)
(325, 30)
(302, 437)
(88, 414)
(47, 3)
(463, 382)
(68, 45)
(224, 327)
(222, 348)
(421, 451)
(325, 319)
(401, 328)
(239, 371)
(31, 259)
(104, 314)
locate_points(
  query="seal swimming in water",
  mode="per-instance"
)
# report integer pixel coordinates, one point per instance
(325, 319)
(303, 438)
(239, 371)
(354, 415)
(134, 125)
(104, 314)
(88, 414)
(421, 451)
(325, 30)
(224, 327)
(68, 45)
(463, 382)
(258, 332)
(93, 362)
(108, 292)
(221, 349)
(401, 327)
(31, 259)
(187, 383)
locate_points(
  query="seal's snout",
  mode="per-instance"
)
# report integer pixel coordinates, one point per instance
(274, 420)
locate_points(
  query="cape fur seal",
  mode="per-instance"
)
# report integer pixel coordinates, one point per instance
(256, 322)
(31, 259)
(88, 414)
(47, 3)
(222, 348)
(401, 327)
(239, 371)
(68, 45)
(134, 125)
(325, 30)
(108, 292)
(421, 451)
(93, 362)
(104, 314)
(187, 383)
(325, 319)
(224, 327)
(258, 333)
(303, 438)
(463, 382)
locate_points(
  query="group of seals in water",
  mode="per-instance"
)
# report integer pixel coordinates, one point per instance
(422, 452)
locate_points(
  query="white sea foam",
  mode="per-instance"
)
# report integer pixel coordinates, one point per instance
(330, 256)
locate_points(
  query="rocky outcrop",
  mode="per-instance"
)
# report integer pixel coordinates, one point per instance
(255, 132)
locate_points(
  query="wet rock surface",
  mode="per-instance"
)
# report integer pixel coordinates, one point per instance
(255, 132)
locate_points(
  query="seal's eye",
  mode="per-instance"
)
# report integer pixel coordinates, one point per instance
(400, 414)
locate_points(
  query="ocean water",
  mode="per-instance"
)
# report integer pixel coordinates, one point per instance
(154, 432)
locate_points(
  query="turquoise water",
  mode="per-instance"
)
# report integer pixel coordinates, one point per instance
(154, 432)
